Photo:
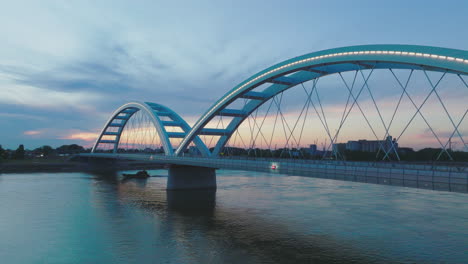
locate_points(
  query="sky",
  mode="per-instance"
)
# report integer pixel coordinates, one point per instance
(65, 66)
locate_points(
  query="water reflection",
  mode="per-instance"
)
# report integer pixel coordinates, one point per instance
(204, 232)
(251, 218)
(192, 202)
(109, 176)
(140, 183)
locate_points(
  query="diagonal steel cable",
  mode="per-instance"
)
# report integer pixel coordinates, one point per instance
(276, 118)
(309, 95)
(250, 128)
(396, 108)
(254, 118)
(461, 120)
(453, 133)
(327, 128)
(299, 117)
(418, 110)
(463, 80)
(359, 107)
(304, 120)
(354, 100)
(378, 112)
(347, 100)
(284, 122)
(286, 125)
(445, 109)
(364, 115)
(212, 137)
(263, 121)
(306, 113)
(242, 140)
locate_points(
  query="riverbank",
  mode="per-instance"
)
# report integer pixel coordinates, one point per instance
(63, 165)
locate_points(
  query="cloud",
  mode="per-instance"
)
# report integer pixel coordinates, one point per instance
(31, 96)
(21, 116)
(444, 135)
(85, 136)
(32, 132)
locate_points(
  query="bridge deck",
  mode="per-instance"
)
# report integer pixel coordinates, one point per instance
(445, 178)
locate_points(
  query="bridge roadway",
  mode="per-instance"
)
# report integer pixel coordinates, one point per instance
(443, 178)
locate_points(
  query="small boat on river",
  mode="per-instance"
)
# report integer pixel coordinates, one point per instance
(139, 175)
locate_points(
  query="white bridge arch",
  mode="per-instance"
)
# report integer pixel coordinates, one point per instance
(155, 111)
(292, 72)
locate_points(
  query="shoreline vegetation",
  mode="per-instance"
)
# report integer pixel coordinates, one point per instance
(48, 159)
(65, 165)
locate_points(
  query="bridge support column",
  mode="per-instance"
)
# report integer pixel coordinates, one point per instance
(191, 177)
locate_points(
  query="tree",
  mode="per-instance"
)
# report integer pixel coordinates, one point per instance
(70, 149)
(19, 152)
(2, 153)
(44, 151)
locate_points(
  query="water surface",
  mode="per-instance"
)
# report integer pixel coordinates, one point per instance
(251, 218)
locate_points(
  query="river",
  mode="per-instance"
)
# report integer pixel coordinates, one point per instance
(252, 218)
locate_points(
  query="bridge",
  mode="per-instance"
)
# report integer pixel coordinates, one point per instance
(240, 129)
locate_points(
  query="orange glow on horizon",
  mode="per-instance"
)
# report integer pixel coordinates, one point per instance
(86, 136)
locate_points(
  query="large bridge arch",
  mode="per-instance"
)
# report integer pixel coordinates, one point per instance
(292, 72)
(121, 116)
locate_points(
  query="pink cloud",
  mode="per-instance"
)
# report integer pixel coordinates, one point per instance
(86, 136)
(32, 132)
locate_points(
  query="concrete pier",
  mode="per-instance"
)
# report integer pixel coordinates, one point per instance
(183, 177)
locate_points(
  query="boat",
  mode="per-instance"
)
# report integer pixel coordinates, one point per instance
(140, 175)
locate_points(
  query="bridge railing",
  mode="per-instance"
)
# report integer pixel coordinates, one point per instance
(457, 167)
(417, 176)
(434, 166)
(424, 177)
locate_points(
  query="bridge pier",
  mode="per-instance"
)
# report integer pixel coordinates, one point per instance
(183, 177)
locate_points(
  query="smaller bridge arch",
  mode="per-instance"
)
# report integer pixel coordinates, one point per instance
(155, 111)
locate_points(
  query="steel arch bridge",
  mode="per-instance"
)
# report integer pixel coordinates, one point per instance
(155, 111)
(281, 77)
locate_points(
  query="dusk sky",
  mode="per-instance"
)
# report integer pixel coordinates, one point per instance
(65, 66)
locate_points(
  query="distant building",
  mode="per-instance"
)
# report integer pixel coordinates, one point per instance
(372, 145)
(353, 146)
(357, 145)
(312, 150)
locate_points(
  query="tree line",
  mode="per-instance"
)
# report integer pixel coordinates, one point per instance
(40, 152)
(404, 154)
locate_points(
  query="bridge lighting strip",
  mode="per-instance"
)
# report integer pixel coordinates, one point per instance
(403, 53)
